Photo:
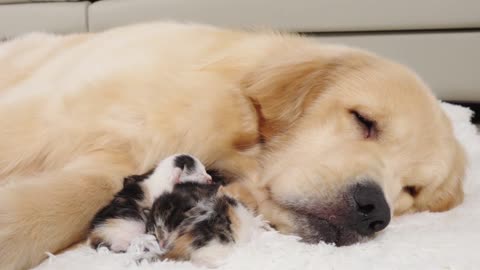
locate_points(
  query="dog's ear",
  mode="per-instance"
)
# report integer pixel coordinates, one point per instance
(450, 193)
(281, 91)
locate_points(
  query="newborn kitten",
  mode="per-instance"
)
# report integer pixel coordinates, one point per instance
(124, 218)
(200, 223)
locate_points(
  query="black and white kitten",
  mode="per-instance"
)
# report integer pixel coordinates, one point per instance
(199, 223)
(124, 218)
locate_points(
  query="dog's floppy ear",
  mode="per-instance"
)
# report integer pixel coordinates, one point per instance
(450, 193)
(280, 92)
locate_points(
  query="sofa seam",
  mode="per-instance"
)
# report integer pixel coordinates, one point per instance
(87, 17)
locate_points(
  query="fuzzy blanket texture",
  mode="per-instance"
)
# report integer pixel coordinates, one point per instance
(424, 241)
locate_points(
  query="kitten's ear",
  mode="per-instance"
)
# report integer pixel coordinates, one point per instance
(128, 180)
(175, 177)
(221, 191)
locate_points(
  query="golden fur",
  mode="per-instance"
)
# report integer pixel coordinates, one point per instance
(80, 112)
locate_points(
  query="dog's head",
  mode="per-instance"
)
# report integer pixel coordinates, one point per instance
(349, 140)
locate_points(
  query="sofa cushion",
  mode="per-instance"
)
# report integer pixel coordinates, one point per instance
(448, 61)
(33, 1)
(307, 15)
(57, 17)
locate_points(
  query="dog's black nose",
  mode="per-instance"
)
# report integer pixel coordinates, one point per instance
(372, 212)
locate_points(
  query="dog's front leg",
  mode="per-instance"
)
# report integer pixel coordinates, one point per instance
(50, 211)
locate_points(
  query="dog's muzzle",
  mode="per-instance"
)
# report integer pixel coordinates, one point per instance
(358, 212)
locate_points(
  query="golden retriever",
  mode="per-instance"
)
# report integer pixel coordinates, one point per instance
(327, 142)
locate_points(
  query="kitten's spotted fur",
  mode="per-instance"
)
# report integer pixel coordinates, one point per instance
(123, 219)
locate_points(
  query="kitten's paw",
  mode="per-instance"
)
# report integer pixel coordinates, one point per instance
(119, 246)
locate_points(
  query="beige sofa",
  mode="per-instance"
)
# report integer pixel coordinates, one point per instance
(440, 39)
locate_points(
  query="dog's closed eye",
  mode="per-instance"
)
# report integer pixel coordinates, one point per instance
(368, 126)
(412, 190)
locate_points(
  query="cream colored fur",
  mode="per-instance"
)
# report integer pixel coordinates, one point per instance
(80, 112)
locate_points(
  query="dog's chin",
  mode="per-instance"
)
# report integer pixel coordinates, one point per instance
(329, 225)
(328, 221)
(314, 230)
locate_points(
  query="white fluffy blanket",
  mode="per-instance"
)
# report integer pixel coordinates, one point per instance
(420, 241)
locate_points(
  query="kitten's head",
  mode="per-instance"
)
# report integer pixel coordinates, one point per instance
(187, 168)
